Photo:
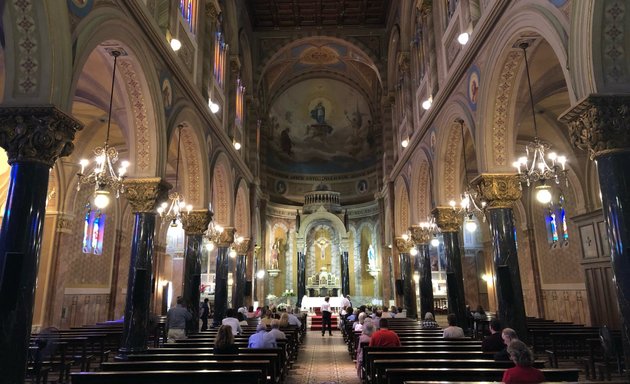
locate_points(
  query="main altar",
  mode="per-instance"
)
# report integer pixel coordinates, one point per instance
(323, 284)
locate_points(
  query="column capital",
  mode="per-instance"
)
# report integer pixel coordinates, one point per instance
(499, 190)
(420, 235)
(196, 222)
(243, 246)
(402, 245)
(447, 219)
(143, 194)
(600, 124)
(41, 133)
(212, 10)
(227, 237)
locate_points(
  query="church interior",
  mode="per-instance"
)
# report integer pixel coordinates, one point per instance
(432, 155)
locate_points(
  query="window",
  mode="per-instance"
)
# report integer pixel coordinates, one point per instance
(552, 227)
(556, 222)
(188, 10)
(240, 93)
(220, 54)
(93, 231)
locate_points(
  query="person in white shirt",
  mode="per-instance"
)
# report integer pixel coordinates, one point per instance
(232, 321)
(326, 316)
(452, 331)
(345, 303)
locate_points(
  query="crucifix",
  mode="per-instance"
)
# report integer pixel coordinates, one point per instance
(322, 243)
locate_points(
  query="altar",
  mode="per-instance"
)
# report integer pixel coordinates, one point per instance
(308, 303)
(323, 284)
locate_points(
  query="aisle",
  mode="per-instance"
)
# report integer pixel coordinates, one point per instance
(323, 360)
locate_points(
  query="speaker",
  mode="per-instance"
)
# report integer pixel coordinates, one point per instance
(248, 288)
(399, 287)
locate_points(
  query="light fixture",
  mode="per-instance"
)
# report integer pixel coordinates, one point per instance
(405, 143)
(260, 274)
(533, 167)
(435, 242)
(175, 44)
(427, 103)
(174, 210)
(237, 145)
(214, 107)
(103, 176)
(463, 38)
(213, 233)
(469, 205)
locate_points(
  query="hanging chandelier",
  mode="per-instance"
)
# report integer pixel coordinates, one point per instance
(173, 209)
(103, 175)
(470, 204)
(534, 167)
(213, 233)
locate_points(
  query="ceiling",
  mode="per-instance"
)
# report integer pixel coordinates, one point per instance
(275, 14)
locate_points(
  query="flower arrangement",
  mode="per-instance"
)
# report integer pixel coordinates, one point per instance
(271, 297)
(288, 293)
(282, 307)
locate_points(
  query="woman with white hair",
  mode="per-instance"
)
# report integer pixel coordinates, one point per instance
(358, 326)
(429, 322)
(366, 334)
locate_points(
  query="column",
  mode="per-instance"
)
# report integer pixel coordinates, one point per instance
(221, 280)
(34, 138)
(143, 196)
(241, 271)
(345, 273)
(500, 191)
(301, 272)
(421, 237)
(406, 274)
(600, 124)
(449, 223)
(195, 223)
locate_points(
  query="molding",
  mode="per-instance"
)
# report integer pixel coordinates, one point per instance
(87, 291)
(564, 287)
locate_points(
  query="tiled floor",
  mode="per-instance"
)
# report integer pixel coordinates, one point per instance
(323, 360)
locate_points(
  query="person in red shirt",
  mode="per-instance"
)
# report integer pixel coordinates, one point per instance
(523, 372)
(384, 337)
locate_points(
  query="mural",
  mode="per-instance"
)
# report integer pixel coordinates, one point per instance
(321, 126)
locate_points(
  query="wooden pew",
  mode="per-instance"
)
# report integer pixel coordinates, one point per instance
(241, 376)
(402, 375)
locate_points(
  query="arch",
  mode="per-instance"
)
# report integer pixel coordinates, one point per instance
(241, 210)
(525, 21)
(393, 46)
(105, 28)
(222, 190)
(316, 218)
(421, 187)
(401, 206)
(194, 155)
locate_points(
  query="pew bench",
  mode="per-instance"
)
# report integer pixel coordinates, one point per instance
(402, 375)
(243, 376)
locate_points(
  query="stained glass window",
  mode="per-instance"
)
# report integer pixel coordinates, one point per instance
(240, 93)
(188, 9)
(93, 231)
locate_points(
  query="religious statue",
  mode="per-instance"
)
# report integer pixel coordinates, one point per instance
(319, 113)
(322, 243)
(371, 258)
(276, 250)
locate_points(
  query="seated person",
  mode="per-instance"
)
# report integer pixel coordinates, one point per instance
(275, 330)
(232, 321)
(358, 326)
(224, 341)
(452, 331)
(494, 342)
(508, 335)
(366, 335)
(429, 322)
(262, 338)
(293, 319)
(523, 372)
(384, 337)
(479, 314)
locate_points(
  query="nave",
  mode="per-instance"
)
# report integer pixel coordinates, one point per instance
(323, 359)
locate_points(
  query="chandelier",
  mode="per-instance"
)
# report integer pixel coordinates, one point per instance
(173, 209)
(213, 233)
(534, 167)
(433, 228)
(470, 204)
(102, 175)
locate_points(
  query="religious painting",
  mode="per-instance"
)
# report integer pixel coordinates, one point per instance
(321, 126)
(589, 243)
(167, 92)
(473, 87)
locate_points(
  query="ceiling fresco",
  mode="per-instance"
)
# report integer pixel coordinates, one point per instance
(321, 126)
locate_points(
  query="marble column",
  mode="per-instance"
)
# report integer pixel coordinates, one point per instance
(421, 237)
(404, 247)
(221, 280)
(195, 223)
(34, 138)
(345, 273)
(449, 223)
(301, 273)
(500, 191)
(143, 195)
(241, 273)
(601, 125)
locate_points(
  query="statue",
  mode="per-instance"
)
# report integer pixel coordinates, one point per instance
(319, 113)
(371, 258)
(276, 250)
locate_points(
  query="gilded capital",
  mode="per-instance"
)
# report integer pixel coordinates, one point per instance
(212, 10)
(499, 190)
(447, 219)
(243, 246)
(39, 134)
(402, 245)
(227, 237)
(196, 222)
(144, 194)
(600, 124)
(420, 235)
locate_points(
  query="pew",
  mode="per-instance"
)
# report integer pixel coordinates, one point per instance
(241, 376)
(402, 375)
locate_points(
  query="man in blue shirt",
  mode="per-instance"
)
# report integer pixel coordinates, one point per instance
(176, 319)
(262, 339)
